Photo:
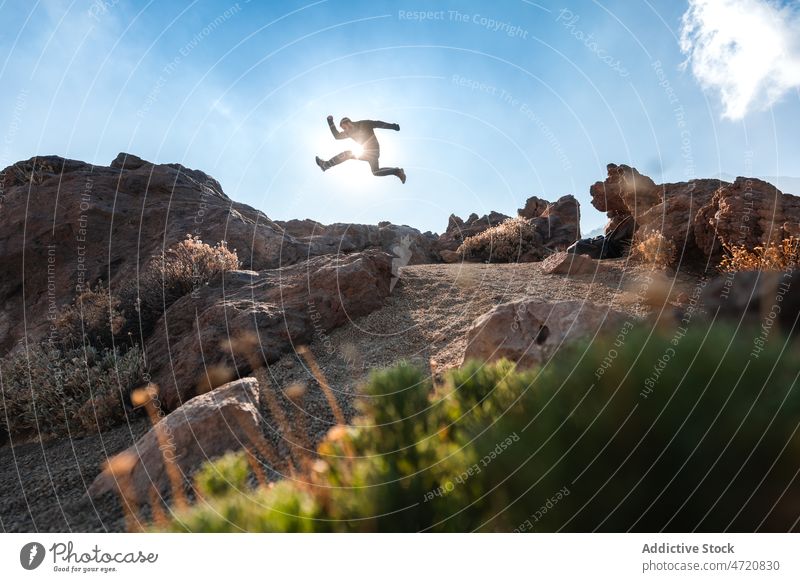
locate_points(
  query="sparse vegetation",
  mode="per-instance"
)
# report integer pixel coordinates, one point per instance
(186, 266)
(52, 392)
(579, 445)
(504, 243)
(94, 317)
(783, 256)
(80, 382)
(654, 249)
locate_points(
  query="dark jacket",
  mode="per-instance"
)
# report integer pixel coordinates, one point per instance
(362, 133)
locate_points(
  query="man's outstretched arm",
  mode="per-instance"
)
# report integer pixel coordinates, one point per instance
(336, 133)
(383, 125)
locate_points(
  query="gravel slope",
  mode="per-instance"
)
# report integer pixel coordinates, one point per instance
(424, 321)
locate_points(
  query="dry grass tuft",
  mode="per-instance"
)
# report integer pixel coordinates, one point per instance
(654, 249)
(185, 268)
(94, 317)
(783, 256)
(505, 243)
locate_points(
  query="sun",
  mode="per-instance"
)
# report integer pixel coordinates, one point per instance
(357, 149)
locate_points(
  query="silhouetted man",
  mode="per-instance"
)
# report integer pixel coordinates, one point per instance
(362, 133)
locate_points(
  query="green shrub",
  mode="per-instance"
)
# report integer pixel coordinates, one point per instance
(227, 474)
(589, 442)
(47, 391)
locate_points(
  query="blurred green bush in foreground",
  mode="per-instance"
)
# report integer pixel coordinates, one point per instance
(664, 431)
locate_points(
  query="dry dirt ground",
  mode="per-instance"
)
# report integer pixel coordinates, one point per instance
(424, 322)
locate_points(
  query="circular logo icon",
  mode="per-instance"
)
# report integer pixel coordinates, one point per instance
(31, 555)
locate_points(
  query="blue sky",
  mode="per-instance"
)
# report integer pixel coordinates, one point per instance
(496, 101)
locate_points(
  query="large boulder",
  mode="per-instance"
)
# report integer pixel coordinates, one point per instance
(209, 426)
(563, 263)
(528, 332)
(625, 190)
(235, 325)
(83, 222)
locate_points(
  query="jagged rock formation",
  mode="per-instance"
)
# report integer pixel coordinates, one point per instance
(321, 239)
(458, 229)
(559, 222)
(524, 239)
(700, 216)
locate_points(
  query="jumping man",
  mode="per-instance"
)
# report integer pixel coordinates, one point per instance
(362, 133)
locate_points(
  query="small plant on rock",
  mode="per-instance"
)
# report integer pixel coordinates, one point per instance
(182, 269)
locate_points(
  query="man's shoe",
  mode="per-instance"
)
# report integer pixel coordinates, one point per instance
(402, 175)
(322, 165)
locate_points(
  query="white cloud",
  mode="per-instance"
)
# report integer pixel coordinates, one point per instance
(748, 50)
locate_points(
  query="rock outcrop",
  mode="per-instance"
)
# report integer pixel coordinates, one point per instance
(209, 426)
(525, 239)
(83, 222)
(701, 216)
(528, 332)
(554, 226)
(560, 223)
(398, 240)
(458, 229)
(236, 325)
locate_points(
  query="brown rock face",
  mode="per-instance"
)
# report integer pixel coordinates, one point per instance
(534, 206)
(563, 226)
(625, 190)
(205, 428)
(748, 212)
(234, 326)
(451, 256)
(528, 331)
(66, 223)
(401, 241)
(699, 216)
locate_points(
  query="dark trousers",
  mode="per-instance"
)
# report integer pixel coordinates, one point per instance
(369, 157)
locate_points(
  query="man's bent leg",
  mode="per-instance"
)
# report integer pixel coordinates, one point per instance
(376, 171)
(337, 159)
